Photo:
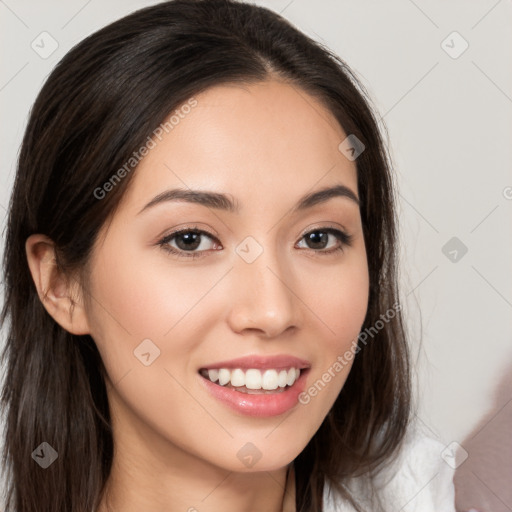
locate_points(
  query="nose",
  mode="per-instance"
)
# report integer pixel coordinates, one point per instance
(262, 296)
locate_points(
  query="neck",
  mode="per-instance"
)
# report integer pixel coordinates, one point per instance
(224, 491)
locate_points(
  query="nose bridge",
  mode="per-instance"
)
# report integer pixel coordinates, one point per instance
(263, 295)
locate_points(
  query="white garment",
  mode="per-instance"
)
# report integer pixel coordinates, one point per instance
(418, 481)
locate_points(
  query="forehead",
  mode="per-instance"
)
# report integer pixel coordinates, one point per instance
(269, 140)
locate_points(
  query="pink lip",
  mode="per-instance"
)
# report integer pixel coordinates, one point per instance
(263, 405)
(277, 362)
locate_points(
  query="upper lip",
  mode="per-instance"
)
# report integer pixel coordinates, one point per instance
(257, 361)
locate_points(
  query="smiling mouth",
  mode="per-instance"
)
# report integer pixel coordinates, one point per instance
(253, 380)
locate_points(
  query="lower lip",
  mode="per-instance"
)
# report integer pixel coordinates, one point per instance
(262, 405)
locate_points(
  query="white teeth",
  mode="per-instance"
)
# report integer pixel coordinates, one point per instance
(282, 378)
(253, 378)
(291, 376)
(269, 379)
(237, 378)
(224, 376)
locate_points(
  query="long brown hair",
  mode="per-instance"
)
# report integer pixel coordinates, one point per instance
(99, 105)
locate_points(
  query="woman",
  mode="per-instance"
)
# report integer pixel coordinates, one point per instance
(201, 280)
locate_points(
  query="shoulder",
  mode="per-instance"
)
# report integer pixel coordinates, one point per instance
(418, 480)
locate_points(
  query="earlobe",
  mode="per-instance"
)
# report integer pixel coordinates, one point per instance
(60, 295)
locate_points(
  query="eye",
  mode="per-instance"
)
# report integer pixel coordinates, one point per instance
(318, 239)
(188, 240)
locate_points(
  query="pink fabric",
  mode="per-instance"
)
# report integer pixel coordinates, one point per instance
(483, 482)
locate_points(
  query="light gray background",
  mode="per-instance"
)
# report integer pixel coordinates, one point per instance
(450, 125)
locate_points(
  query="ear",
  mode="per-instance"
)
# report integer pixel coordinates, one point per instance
(61, 296)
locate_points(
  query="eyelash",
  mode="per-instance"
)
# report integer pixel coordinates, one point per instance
(342, 236)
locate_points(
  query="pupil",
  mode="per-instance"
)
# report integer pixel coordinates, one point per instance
(318, 239)
(191, 240)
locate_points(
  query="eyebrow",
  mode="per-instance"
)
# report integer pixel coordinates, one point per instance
(220, 201)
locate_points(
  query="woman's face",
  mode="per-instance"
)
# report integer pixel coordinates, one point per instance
(273, 287)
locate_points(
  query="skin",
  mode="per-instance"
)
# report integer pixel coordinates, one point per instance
(266, 145)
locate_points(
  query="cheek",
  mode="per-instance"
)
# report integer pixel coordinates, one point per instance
(147, 298)
(135, 300)
(339, 305)
(339, 298)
